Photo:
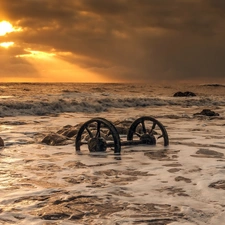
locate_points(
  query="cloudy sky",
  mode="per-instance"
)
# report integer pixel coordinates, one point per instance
(112, 40)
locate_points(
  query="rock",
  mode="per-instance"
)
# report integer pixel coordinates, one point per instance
(69, 131)
(54, 139)
(220, 184)
(210, 153)
(214, 85)
(1, 142)
(65, 128)
(206, 112)
(178, 94)
(123, 126)
(180, 178)
(184, 94)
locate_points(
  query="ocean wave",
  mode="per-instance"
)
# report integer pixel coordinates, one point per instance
(14, 107)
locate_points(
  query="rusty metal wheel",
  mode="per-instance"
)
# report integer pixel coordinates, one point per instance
(98, 135)
(148, 130)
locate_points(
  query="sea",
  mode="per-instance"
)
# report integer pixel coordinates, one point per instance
(24, 99)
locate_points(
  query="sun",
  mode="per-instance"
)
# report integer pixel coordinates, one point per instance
(5, 27)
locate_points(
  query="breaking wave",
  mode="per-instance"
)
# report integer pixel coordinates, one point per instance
(45, 99)
(15, 108)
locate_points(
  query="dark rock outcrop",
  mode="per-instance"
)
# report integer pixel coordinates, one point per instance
(214, 85)
(122, 127)
(184, 94)
(220, 184)
(55, 139)
(206, 112)
(68, 131)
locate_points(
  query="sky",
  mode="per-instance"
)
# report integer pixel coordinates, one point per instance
(112, 41)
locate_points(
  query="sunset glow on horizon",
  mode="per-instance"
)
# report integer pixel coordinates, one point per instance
(51, 68)
(48, 66)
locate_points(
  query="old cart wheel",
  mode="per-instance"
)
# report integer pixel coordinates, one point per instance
(97, 135)
(148, 130)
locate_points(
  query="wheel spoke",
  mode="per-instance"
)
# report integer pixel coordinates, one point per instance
(89, 132)
(98, 129)
(108, 133)
(153, 127)
(143, 126)
(160, 136)
(139, 135)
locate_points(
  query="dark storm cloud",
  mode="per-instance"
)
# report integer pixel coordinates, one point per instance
(128, 39)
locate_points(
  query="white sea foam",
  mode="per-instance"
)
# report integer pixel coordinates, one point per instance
(45, 99)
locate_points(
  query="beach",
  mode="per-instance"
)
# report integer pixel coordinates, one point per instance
(182, 183)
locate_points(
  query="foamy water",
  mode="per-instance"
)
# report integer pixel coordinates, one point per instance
(45, 99)
(182, 183)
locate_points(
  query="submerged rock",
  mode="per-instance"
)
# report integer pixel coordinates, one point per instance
(210, 153)
(1, 142)
(220, 184)
(55, 139)
(206, 112)
(122, 127)
(69, 131)
(184, 94)
(214, 85)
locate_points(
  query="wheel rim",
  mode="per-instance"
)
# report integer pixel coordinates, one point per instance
(149, 131)
(98, 135)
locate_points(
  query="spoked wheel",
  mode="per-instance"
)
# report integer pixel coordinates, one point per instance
(148, 130)
(98, 135)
